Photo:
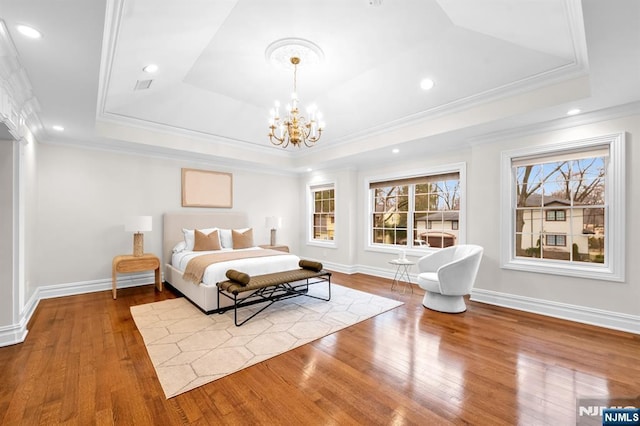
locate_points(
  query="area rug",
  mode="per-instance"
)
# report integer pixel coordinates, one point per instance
(189, 349)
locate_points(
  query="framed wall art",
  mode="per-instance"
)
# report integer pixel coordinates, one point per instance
(204, 188)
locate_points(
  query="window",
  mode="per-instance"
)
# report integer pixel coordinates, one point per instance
(555, 215)
(323, 213)
(584, 237)
(555, 240)
(417, 211)
(391, 214)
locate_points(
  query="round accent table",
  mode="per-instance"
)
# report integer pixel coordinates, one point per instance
(402, 274)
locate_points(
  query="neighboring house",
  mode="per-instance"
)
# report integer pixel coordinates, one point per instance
(438, 229)
(556, 227)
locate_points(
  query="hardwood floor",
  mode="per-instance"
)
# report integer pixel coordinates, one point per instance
(84, 363)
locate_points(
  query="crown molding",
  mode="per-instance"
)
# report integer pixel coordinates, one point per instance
(18, 106)
(605, 114)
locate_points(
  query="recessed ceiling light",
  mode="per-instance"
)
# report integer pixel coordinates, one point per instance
(58, 128)
(309, 169)
(28, 31)
(573, 111)
(151, 68)
(395, 150)
(427, 84)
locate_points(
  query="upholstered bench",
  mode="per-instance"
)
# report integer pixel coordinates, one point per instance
(271, 287)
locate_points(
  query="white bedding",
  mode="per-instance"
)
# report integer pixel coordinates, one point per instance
(252, 266)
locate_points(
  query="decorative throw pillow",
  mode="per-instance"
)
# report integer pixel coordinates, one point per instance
(238, 276)
(242, 239)
(311, 265)
(189, 238)
(206, 242)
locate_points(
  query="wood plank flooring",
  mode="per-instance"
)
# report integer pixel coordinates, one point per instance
(85, 363)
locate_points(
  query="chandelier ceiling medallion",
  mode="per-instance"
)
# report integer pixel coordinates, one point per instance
(294, 128)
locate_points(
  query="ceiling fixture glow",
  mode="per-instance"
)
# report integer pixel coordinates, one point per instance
(427, 84)
(58, 128)
(294, 128)
(573, 111)
(28, 31)
(395, 150)
(151, 68)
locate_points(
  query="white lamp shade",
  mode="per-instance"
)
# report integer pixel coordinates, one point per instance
(138, 224)
(273, 222)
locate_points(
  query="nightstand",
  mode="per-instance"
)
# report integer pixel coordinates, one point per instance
(276, 247)
(129, 263)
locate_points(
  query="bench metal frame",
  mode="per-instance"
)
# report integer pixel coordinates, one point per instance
(272, 293)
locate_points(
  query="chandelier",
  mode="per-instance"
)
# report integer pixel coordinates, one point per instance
(294, 128)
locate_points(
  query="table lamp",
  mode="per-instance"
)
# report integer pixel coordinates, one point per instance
(138, 225)
(272, 223)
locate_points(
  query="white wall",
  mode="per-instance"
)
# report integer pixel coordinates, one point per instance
(17, 219)
(85, 195)
(376, 259)
(343, 255)
(484, 226)
(6, 232)
(29, 211)
(482, 160)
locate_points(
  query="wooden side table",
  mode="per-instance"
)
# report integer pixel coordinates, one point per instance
(276, 247)
(126, 263)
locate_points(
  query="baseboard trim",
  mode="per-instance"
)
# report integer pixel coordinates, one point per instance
(581, 314)
(13, 334)
(16, 333)
(70, 289)
(338, 267)
(367, 270)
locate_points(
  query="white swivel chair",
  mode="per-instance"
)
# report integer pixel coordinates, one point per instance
(447, 275)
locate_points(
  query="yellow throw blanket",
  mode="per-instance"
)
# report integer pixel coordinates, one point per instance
(196, 266)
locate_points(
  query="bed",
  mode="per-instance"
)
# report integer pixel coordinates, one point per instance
(205, 294)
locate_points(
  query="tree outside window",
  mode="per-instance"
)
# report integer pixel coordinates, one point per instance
(417, 212)
(437, 203)
(585, 180)
(578, 186)
(391, 209)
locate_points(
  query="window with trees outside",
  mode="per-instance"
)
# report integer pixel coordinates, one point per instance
(323, 213)
(416, 212)
(563, 208)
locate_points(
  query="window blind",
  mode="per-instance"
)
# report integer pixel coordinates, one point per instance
(578, 154)
(415, 180)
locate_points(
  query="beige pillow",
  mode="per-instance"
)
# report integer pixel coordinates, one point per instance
(242, 239)
(205, 242)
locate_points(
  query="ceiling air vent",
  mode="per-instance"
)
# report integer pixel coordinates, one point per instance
(142, 84)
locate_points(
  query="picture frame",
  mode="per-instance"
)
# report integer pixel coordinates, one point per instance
(205, 188)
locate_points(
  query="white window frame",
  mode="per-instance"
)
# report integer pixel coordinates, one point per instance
(614, 267)
(311, 210)
(460, 168)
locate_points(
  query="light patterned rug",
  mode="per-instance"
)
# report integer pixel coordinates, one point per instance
(189, 349)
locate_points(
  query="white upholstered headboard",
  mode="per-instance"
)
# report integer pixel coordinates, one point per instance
(172, 224)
